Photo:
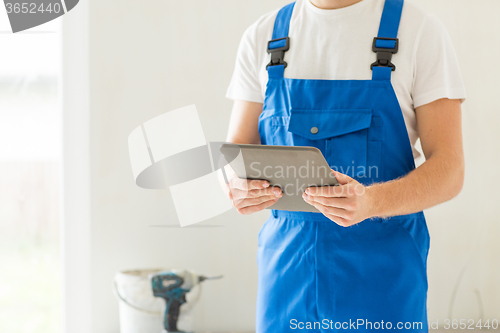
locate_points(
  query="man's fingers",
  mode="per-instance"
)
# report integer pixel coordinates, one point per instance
(328, 191)
(249, 196)
(342, 178)
(339, 220)
(332, 213)
(318, 206)
(257, 208)
(238, 204)
(342, 204)
(325, 208)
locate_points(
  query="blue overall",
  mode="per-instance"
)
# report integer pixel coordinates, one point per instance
(313, 273)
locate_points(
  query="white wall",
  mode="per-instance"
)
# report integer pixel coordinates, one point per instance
(465, 231)
(150, 57)
(147, 59)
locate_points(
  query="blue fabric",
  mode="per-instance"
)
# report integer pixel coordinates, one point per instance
(346, 121)
(384, 43)
(277, 44)
(389, 23)
(282, 22)
(381, 73)
(389, 26)
(311, 269)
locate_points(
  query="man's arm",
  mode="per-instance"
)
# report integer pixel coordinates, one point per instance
(438, 179)
(248, 196)
(244, 123)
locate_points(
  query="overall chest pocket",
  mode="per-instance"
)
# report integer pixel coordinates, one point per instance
(341, 134)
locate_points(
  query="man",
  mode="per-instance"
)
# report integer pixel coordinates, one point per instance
(364, 102)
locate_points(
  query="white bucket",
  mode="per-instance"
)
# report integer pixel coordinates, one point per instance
(140, 311)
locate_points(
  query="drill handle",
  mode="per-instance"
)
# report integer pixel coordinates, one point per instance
(172, 315)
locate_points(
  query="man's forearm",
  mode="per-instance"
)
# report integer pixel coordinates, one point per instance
(437, 180)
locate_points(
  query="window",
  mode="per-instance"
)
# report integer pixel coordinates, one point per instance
(30, 145)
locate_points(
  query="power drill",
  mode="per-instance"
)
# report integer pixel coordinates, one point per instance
(173, 287)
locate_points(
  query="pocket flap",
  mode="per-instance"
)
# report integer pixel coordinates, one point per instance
(322, 124)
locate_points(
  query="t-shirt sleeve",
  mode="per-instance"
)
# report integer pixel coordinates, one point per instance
(245, 83)
(436, 72)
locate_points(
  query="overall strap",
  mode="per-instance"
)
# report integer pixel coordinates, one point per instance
(386, 43)
(280, 42)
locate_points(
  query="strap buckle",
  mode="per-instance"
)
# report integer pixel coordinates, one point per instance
(278, 52)
(384, 54)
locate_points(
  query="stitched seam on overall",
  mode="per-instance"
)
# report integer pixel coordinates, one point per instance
(316, 268)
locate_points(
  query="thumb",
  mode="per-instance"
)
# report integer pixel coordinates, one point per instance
(341, 178)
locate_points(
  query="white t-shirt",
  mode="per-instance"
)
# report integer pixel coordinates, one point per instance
(336, 45)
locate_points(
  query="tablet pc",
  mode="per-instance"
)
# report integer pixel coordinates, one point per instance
(291, 168)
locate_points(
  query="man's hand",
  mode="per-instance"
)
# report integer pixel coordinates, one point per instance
(248, 196)
(251, 196)
(345, 205)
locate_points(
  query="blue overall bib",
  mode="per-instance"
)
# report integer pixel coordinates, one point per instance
(312, 270)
